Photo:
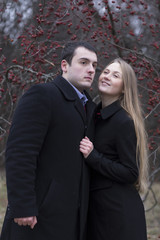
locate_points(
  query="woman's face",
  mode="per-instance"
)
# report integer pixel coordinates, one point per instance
(110, 81)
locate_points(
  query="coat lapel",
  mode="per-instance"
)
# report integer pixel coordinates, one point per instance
(90, 108)
(78, 105)
(70, 95)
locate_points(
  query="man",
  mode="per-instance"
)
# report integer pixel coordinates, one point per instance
(47, 179)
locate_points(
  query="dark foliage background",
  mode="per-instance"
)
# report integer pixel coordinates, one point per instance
(33, 33)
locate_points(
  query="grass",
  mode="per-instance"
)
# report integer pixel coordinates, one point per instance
(3, 198)
(152, 216)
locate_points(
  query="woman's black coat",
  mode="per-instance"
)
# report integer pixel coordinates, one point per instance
(116, 211)
(46, 173)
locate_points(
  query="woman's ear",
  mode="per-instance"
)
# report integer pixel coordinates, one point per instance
(64, 66)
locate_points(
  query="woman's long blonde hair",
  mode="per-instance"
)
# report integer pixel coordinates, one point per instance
(130, 102)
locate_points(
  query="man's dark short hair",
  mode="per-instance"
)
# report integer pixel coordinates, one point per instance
(69, 50)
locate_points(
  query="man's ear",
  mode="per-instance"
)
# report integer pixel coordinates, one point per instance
(64, 66)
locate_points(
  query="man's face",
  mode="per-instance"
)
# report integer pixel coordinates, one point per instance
(81, 72)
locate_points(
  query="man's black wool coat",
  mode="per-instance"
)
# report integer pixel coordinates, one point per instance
(46, 173)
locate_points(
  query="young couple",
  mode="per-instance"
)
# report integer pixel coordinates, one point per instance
(74, 169)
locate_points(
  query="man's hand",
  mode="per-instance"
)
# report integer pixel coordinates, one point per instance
(30, 221)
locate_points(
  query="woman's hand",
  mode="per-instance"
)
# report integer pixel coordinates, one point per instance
(86, 146)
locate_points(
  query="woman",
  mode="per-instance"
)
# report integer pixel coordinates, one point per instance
(118, 159)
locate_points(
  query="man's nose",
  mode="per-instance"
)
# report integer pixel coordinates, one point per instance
(91, 68)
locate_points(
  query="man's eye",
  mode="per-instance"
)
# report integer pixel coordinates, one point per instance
(84, 62)
(94, 66)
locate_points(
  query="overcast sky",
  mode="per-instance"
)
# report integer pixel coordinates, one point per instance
(22, 7)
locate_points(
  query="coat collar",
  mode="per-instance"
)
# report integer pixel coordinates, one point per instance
(70, 94)
(109, 110)
(67, 90)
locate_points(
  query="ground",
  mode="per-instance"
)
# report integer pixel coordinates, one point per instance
(153, 215)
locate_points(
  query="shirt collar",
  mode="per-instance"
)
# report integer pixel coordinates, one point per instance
(82, 96)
